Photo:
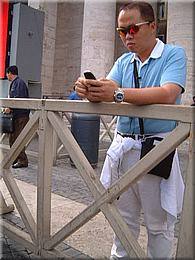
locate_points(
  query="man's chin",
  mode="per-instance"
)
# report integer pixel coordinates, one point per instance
(131, 48)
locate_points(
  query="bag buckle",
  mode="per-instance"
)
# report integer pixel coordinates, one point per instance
(142, 137)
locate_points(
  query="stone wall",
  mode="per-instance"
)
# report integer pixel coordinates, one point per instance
(180, 31)
(68, 46)
(49, 41)
(98, 37)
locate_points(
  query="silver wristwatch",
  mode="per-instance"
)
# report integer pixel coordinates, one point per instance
(119, 95)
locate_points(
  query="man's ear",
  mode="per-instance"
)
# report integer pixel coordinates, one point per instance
(153, 27)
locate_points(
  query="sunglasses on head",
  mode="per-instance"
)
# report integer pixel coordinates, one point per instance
(131, 29)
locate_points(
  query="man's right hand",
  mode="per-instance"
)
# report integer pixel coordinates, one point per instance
(81, 88)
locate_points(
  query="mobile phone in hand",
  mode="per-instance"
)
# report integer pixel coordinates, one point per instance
(89, 75)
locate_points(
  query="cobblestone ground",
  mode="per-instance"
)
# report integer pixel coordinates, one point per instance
(67, 183)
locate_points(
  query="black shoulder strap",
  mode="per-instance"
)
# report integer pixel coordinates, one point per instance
(136, 80)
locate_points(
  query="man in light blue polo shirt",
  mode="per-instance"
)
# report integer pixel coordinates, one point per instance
(166, 64)
(161, 76)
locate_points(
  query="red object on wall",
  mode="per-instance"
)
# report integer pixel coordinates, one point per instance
(4, 9)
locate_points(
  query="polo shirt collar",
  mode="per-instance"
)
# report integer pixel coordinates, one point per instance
(156, 52)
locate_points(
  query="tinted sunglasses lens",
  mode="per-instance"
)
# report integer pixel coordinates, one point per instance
(122, 32)
(133, 29)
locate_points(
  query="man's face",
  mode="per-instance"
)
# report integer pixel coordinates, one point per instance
(140, 41)
(9, 76)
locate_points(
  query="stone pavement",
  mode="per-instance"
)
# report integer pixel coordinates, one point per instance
(68, 189)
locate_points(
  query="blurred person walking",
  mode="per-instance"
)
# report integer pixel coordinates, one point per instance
(18, 89)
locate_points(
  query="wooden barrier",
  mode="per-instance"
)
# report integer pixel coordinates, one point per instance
(45, 120)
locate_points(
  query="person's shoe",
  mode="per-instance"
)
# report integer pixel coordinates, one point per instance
(19, 165)
(14, 162)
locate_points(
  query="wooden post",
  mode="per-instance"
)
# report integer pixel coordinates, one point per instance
(185, 247)
(44, 181)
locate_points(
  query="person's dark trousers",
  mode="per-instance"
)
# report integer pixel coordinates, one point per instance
(19, 124)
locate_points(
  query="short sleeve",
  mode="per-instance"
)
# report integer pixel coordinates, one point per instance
(175, 68)
(115, 74)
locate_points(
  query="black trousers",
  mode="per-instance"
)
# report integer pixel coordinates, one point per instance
(19, 124)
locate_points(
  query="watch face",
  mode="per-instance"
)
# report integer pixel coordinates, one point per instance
(119, 96)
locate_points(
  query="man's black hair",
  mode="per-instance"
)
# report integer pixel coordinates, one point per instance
(145, 9)
(12, 69)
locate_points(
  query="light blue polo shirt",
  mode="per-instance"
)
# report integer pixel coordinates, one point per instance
(166, 64)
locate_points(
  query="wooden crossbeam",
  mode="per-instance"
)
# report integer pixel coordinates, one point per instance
(68, 117)
(6, 147)
(123, 232)
(25, 103)
(2, 137)
(181, 113)
(72, 226)
(4, 208)
(18, 235)
(168, 112)
(20, 203)
(23, 238)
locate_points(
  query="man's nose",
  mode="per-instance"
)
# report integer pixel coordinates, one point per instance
(129, 35)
